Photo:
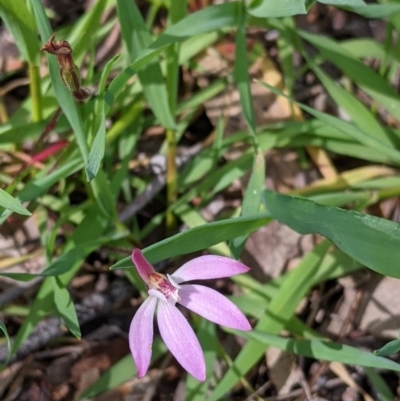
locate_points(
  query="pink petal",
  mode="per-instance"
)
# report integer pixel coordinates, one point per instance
(181, 340)
(141, 335)
(208, 267)
(213, 306)
(143, 267)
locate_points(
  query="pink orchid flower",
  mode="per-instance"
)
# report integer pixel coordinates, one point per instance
(164, 292)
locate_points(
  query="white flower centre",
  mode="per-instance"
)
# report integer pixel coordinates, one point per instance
(164, 289)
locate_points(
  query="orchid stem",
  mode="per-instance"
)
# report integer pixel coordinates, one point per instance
(36, 94)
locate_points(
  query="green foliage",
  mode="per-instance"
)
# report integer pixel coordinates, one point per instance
(8, 202)
(273, 9)
(363, 237)
(323, 350)
(21, 24)
(139, 89)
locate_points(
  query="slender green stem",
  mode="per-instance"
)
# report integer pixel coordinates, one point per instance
(390, 192)
(176, 12)
(36, 94)
(151, 15)
(171, 180)
(3, 112)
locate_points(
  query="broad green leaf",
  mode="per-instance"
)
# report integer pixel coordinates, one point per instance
(65, 307)
(198, 238)
(274, 9)
(8, 202)
(21, 24)
(373, 241)
(321, 350)
(192, 218)
(375, 10)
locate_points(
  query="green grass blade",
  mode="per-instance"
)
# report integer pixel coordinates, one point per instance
(343, 2)
(373, 241)
(375, 10)
(137, 38)
(207, 335)
(352, 131)
(252, 198)
(65, 307)
(10, 203)
(3, 328)
(361, 116)
(97, 150)
(275, 9)
(241, 75)
(322, 350)
(104, 197)
(204, 21)
(383, 390)
(366, 78)
(286, 48)
(363, 47)
(98, 147)
(21, 24)
(84, 31)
